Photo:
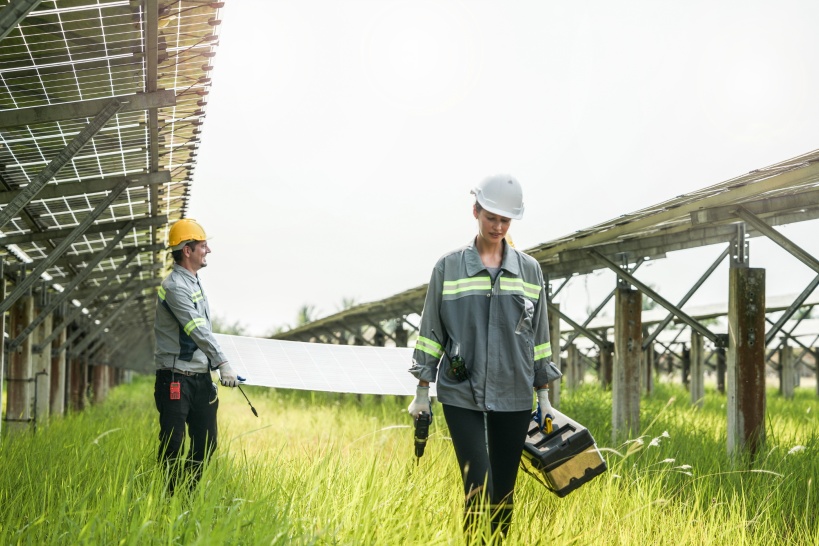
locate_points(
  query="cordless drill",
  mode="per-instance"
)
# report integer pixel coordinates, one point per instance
(421, 433)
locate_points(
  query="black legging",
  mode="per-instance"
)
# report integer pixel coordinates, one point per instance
(488, 452)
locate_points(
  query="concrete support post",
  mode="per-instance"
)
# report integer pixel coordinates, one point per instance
(746, 360)
(628, 343)
(572, 363)
(41, 365)
(579, 368)
(606, 362)
(58, 377)
(21, 381)
(721, 369)
(99, 385)
(647, 370)
(554, 338)
(79, 383)
(606, 365)
(697, 357)
(787, 371)
(401, 336)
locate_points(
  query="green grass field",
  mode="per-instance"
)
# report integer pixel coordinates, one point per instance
(319, 468)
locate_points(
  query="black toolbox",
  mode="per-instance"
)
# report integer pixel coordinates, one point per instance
(563, 460)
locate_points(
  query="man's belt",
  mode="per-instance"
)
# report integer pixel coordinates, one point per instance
(180, 372)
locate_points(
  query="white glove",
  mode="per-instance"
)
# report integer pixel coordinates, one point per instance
(420, 403)
(227, 376)
(546, 408)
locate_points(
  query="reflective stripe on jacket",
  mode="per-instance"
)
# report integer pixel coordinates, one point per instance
(182, 327)
(500, 329)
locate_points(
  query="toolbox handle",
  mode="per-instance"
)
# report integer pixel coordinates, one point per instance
(555, 432)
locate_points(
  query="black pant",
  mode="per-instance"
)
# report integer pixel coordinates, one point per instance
(196, 408)
(488, 447)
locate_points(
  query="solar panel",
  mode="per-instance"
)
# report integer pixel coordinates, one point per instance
(321, 367)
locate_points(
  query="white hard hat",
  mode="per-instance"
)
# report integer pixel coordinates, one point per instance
(501, 194)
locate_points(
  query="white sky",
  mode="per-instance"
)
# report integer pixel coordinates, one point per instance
(342, 137)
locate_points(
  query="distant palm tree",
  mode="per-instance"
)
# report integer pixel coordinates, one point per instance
(306, 315)
(220, 325)
(346, 303)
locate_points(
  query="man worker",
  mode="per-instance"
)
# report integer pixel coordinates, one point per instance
(186, 352)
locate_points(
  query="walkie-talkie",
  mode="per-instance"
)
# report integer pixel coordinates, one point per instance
(422, 423)
(456, 364)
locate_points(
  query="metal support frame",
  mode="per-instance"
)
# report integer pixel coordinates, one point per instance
(127, 338)
(335, 336)
(358, 335)
(668, 350)
(586, 332)
(134, 269)
(106, 227)
(380, 329)
(83, 257)
(802, 355)
(83, 109)
(71, 315)
(660, 327)
(789, 312)
(151, 37)
(81, 346)
(66, 154)
(13, 13)
(22, 287)
(794, 249)
(561, 287)
(740, 249)
(788, 335)
(65, 294)
(86, 328)
(91, 185)
(411, 325)
(655, 296)
(600, 307)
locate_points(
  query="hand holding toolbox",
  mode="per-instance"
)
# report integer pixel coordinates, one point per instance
(564, 459)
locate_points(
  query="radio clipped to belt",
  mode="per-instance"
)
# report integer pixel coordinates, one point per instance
(176, 390)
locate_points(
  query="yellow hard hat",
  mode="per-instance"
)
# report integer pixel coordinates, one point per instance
(185, 231)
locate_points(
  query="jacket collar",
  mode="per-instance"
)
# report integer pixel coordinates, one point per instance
(177, 267)
(474, 265)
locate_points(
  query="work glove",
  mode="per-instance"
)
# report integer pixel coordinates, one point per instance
(227, 376)
(420, 403)
(545, 410)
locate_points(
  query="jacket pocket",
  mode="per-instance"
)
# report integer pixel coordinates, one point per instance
(524, 326)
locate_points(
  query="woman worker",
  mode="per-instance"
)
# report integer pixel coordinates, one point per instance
(484, 337)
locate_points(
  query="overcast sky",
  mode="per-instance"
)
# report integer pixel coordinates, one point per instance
(342, 137)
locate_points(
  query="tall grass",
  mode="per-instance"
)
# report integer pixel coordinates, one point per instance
(319, 468)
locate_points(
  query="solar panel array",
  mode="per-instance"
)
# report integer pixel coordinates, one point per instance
(64, 62)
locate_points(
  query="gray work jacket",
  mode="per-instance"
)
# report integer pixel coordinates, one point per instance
(182, 328)
(500, 329)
